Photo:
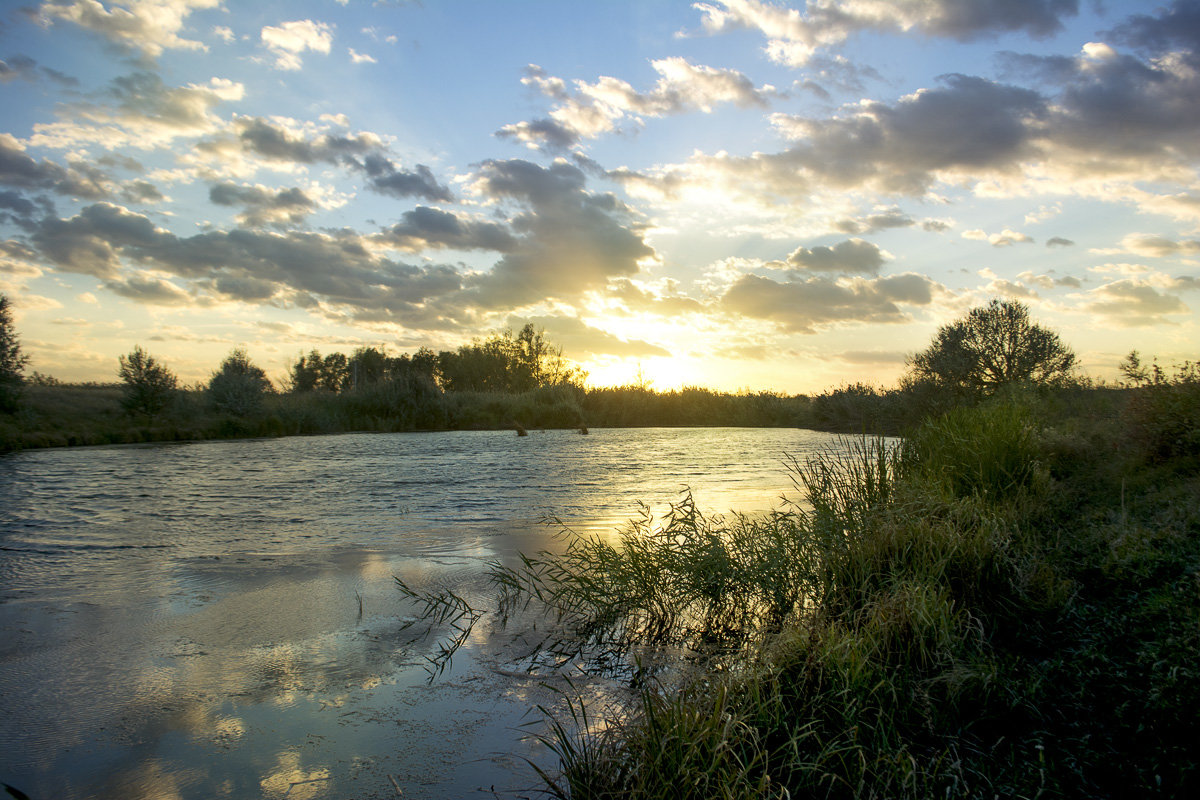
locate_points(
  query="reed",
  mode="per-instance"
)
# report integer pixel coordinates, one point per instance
(945, 618)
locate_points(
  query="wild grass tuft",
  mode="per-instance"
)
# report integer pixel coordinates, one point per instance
(983, 611)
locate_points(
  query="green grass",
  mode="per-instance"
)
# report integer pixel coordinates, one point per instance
(1008, 605)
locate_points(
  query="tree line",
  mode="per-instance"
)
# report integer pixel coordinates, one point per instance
(520, 379)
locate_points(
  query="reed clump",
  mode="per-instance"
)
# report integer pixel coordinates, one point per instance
(981, 611)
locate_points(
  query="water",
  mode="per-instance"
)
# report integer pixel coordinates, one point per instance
(219, 619)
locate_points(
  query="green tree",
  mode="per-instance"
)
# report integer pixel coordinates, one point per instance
(335, 373)
(992, 346)
(12, 361)
(238, 386)
(149, 386)
(506, 363)
(305, 373)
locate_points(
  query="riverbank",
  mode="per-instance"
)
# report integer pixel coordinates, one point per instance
(1008, 605)
(69, 415)
(66, 415)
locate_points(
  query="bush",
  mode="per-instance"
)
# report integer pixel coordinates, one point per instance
(238, 387)
(149, 386)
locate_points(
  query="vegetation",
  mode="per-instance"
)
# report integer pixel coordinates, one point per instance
(993, 346)
(1005, 605)
(149, 387)
(12, 361)
(237, 388)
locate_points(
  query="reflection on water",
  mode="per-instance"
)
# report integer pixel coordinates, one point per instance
(219, 619)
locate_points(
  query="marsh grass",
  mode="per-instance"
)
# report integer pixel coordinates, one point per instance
(993, 608)
(439, 609)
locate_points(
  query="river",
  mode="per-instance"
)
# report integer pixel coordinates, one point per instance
(220, 619)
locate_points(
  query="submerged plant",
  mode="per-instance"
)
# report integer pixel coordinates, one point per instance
(440, 607)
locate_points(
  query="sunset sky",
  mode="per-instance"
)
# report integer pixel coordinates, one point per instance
(737, 194)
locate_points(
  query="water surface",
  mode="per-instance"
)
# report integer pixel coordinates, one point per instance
(219, 619)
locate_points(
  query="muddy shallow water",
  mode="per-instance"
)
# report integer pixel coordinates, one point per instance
(220, 619)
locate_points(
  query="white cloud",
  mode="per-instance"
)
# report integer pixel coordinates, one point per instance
(146, 114)
(594, 109)
(1003, 239)
(150, 26)
(794, 36)
(361, 58)
(290, 40)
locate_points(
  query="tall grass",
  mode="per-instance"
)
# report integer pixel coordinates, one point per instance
(948, 618)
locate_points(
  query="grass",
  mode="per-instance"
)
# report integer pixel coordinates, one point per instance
(53, 414)
(1008, 605)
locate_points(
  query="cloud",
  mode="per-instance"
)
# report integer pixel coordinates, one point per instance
(139, 191)
(264, 206)
(310, 270)
(286, 142)
(873, 223)
(18, 169)
(142, 112)
(1005, 238)
(425, 228)
(794, 37)
(960, 132)
(290, 40)
(664, 300)
(561, 242)
(1176, 26)
(1059, 241)
(1153, 246)
(811, 304)
(1117, 116)
(15, 67)
(869, 357)
(149, 26)
(361, 58)
(149, 290)
(386, 177)
(1133, 303)
(579, 339)
(571, 240)
(851, 256)
(594, 109)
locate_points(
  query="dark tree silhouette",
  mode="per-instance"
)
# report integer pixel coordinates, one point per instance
(149, 386)
(12, 361)
(992, 346)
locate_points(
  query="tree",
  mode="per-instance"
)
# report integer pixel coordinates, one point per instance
(992, 346)
(12, 361)
(149, 386)
(238, 386)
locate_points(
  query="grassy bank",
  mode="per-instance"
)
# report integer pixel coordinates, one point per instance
(58, 415)
(1006, 606)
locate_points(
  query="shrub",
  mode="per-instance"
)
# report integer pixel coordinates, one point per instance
(149, 387)
(238, 387)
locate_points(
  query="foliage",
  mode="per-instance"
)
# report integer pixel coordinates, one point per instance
(994, 346)
(995, 609)
(149, 387)
(506, 363)
(237, 388)
(1163, 414)
(12, 361)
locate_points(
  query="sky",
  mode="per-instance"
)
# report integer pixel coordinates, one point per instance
(737, 194)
